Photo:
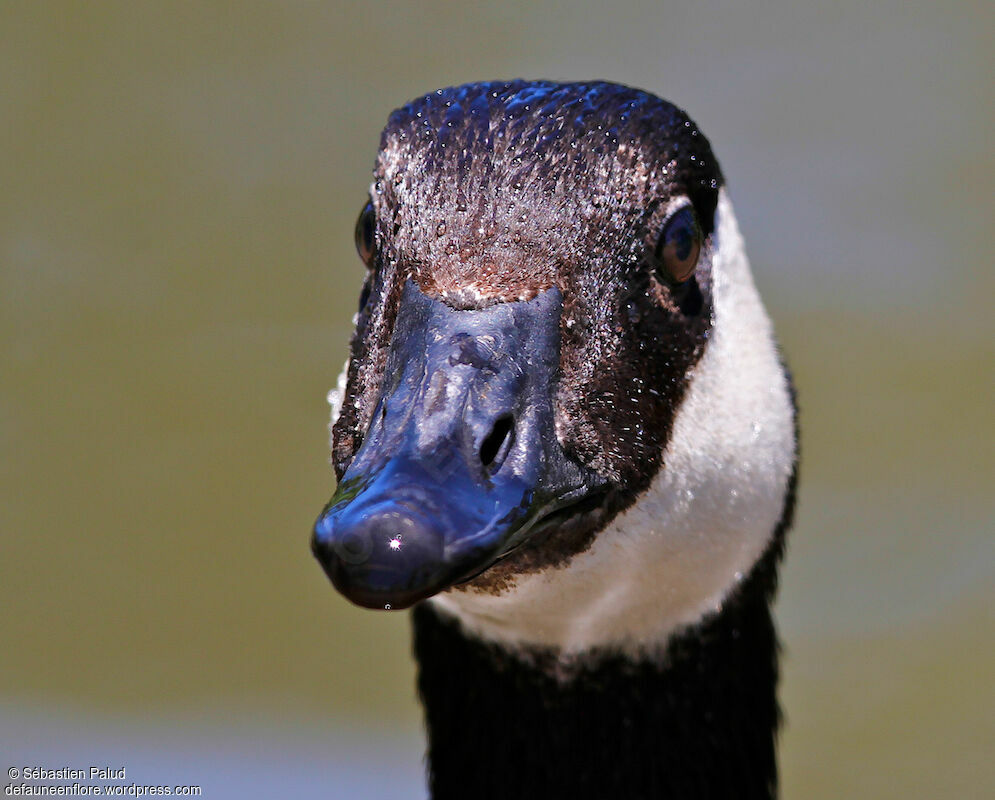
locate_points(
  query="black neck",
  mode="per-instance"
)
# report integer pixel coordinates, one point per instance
(699, 722)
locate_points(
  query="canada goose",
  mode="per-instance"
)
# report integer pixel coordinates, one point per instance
(565, 437)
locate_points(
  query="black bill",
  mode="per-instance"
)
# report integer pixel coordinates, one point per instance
(461, 460)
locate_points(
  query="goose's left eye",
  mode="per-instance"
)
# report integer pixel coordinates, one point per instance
(366, 234)
(679, 245)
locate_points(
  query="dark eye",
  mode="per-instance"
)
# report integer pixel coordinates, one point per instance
(365, 234)
(679, 245)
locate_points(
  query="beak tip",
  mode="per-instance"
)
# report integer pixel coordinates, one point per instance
(380, 559)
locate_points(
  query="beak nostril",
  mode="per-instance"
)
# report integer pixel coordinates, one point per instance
(494, 443)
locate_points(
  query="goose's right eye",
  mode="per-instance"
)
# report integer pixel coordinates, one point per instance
(366, 234)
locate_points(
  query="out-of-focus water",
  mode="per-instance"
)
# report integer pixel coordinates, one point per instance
(177, 278)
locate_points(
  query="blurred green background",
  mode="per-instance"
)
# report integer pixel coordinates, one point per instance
(177, 276)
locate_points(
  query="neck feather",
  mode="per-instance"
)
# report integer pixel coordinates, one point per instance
(698, 720)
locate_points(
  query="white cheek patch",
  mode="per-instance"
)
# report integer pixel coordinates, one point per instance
(704, 521)
(336, 397)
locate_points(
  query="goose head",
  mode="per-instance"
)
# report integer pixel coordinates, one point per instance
(563, 417)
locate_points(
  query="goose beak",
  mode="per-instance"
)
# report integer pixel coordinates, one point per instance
(461, 461)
